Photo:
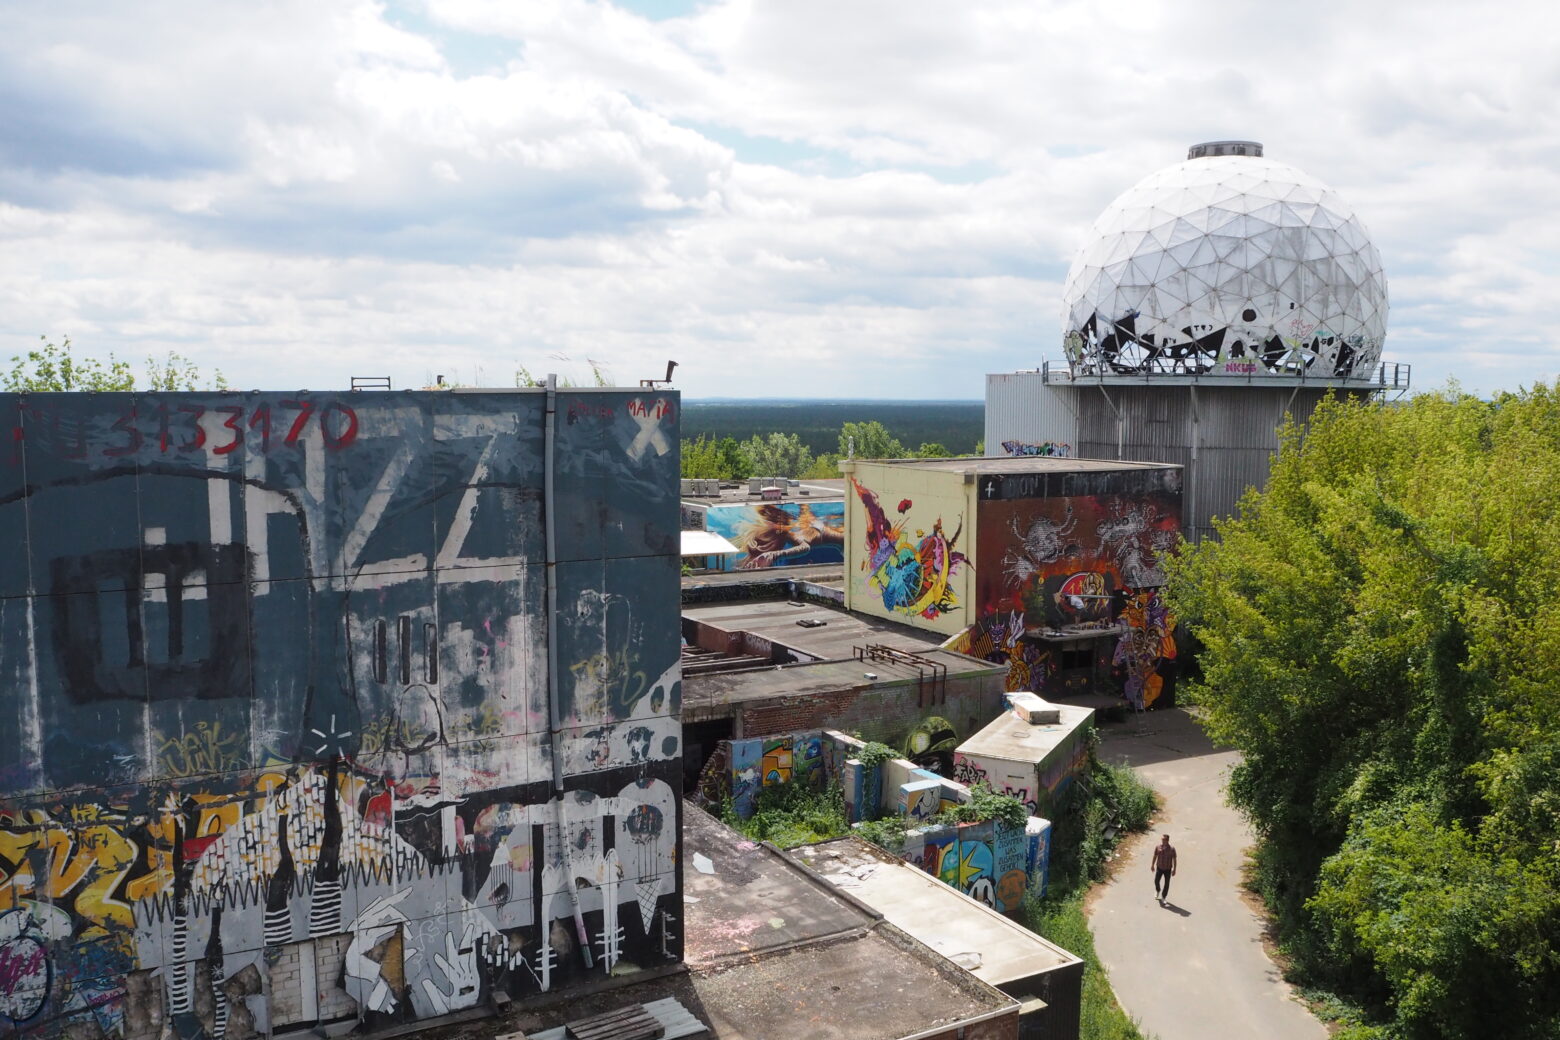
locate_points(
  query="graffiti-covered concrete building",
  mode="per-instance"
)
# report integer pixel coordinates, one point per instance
(1049, 565)
(324, 708)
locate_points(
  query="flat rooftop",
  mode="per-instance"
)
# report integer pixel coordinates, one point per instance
(737, 492)
(776, 620)
(1011, 739)
(711, 696)
(1022, 464)
(771, 949)
(966, 931)
(769, 943)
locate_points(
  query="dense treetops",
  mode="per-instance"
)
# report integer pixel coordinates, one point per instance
(784, 454)
(1381, 640)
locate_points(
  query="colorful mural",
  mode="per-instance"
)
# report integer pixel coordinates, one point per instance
(930, 744)
(742, 768)
(913, 578)
(988, 861)
(1071, 563)
(992, 862)
(287, 747)
(781, 534)
(1000, 638)
(1146, 652)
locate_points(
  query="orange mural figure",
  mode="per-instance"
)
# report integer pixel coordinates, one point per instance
(1148, 641)
(778, 534)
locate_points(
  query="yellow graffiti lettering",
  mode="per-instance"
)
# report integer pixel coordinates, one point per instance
(205, 749)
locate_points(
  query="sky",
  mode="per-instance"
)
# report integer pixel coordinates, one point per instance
(853, 198)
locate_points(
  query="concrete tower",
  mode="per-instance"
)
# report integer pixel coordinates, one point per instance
(1210, 299)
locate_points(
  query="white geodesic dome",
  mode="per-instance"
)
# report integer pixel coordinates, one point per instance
(1227, 265)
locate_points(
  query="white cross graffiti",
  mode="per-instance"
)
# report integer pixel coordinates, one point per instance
(650, 434)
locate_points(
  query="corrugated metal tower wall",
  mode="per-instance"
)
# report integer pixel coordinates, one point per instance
(1225, 437)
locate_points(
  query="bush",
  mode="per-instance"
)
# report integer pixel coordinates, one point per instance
(874, 754)
(792, 814)
(887, 833)
(1091, 817)
(986, 804)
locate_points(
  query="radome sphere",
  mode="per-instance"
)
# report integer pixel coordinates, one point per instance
(1227, 264)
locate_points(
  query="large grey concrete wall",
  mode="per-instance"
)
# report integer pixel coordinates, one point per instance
(280, 737)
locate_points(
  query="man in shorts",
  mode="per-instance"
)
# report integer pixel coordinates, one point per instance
(1162, 863)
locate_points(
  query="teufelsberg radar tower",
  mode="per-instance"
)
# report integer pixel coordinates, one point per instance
(1210, 299)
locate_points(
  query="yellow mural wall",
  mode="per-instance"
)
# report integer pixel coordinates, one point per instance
(910, 544)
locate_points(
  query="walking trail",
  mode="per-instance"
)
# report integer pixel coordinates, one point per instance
(1196, 966)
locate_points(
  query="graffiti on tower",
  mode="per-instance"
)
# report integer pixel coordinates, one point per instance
(286, 745)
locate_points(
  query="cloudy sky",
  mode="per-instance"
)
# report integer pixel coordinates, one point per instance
(790, 197)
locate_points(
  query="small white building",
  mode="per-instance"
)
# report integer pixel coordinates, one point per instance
(1032, 751)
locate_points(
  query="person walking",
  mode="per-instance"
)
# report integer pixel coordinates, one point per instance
(1162, 863)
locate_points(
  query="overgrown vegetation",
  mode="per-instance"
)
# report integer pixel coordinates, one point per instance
(54, 367)
(986, 804)
(792, 814)
(1382, 643)
(873, 754)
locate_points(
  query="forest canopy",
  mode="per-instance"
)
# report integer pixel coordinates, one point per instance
(1381, 640)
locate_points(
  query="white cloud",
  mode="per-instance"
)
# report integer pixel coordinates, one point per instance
(805, 198)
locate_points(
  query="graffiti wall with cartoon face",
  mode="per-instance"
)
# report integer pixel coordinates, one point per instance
(1072, 556)
(781, 534)
(909, 560)
(988, 861)
(283, 750)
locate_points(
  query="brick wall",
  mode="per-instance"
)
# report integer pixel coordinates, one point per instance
(289, 1003)
(883, 712)
(330, 957)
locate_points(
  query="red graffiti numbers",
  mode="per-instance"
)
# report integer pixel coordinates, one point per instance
(168, 429)
(341, 430)
(234, 415)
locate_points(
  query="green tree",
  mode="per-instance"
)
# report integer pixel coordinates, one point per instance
(722, 459)
(932, 450)
(869, 440)
(1381, 642)
(52, 367)
(778, 455)
(824, 467)
(734, 462)
(177, 372)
